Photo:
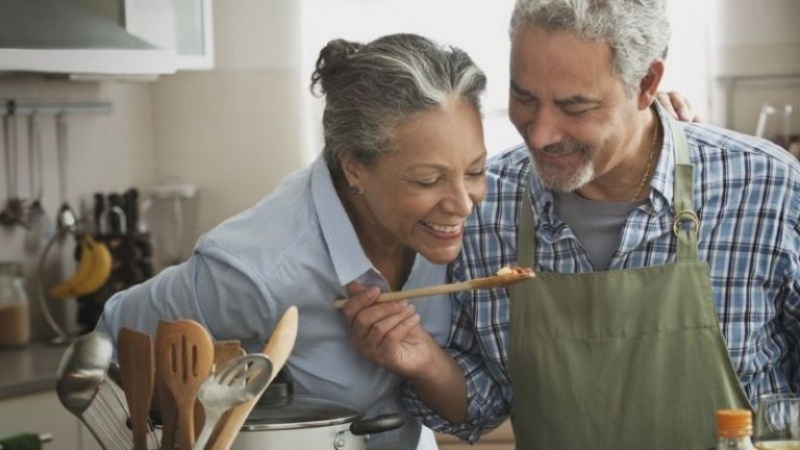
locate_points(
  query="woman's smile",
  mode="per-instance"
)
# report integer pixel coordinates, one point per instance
(442, 230)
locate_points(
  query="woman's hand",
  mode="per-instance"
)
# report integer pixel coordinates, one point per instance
(677, 105)
(387, 333)
(390, 334)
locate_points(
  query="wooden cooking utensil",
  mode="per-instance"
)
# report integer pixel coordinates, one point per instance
(169, 414)
(227, 350)
(184, 358)
(137, 370)
(278, 348)
(223, 352)
(469, 285)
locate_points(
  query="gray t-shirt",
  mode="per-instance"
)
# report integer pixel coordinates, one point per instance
(597, 225)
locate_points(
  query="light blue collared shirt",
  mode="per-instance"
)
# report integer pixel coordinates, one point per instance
(297, 247)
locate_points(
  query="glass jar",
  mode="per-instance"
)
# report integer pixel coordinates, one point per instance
(15, 328)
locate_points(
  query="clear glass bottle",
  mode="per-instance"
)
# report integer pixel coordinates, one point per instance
(735, 429)
(15, 328)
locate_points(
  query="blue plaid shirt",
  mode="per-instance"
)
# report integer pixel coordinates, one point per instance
(747, 196)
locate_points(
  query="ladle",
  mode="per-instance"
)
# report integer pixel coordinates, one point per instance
(82, 383)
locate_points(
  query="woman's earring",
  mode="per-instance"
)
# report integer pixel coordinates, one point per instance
(355, 190)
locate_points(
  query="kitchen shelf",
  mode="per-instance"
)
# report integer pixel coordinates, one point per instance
(10, 107)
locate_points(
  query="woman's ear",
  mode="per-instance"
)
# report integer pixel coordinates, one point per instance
(352, 170)
(650, 83)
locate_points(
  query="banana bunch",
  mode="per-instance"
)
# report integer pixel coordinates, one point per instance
(94, 268)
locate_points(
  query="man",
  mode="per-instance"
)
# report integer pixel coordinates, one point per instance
(668, 280)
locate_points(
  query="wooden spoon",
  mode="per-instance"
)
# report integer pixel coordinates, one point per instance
(278, 348)
(184, 358)
(469, 285)
(137, 370)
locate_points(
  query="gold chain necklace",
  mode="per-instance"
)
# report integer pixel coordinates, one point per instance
(649, 168)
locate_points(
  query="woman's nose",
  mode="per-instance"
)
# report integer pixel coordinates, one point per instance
(460, 201)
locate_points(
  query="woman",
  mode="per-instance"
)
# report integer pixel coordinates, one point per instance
(402, 168)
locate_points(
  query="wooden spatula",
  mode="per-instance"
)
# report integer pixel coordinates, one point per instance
(278, 348)
(184, 358)
(169, 414)
(137, 370)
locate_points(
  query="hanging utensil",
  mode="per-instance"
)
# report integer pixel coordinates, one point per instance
(239, 380)
(65, 218)
(13, 211)
(40, 226)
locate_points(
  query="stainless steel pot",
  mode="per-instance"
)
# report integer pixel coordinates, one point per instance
(300, 423)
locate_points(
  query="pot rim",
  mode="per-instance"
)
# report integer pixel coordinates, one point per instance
(342, 414)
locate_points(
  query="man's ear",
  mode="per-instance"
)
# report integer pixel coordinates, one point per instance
(650, 83)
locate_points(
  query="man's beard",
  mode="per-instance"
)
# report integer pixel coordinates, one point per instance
(565, 179)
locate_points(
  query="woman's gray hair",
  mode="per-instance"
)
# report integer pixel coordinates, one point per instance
(636, 30)
(371, 88)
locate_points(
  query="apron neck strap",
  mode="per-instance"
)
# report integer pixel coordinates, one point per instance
(686, 224)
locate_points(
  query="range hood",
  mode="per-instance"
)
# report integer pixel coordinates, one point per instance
(62, 37)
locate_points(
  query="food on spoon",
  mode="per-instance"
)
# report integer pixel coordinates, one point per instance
(515, 270)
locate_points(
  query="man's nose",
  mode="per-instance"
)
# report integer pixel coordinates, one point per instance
(542, 130)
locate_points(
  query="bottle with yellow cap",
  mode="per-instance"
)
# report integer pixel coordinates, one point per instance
(734, 429)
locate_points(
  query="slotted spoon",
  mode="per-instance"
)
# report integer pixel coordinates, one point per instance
(184, 358)
(235, 382)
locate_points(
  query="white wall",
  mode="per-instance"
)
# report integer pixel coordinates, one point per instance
(688, 65)
(235, 131)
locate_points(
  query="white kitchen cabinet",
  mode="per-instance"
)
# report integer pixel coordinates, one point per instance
(43, 413)
(182, 26)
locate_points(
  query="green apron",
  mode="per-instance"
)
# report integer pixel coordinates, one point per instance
(620, 360)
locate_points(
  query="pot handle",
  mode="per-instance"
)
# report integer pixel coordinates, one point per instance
(377, 424)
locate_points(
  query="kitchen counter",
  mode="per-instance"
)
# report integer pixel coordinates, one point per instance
(30, 369)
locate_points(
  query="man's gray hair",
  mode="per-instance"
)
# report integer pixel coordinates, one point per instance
(637, 31)
(371, 88)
